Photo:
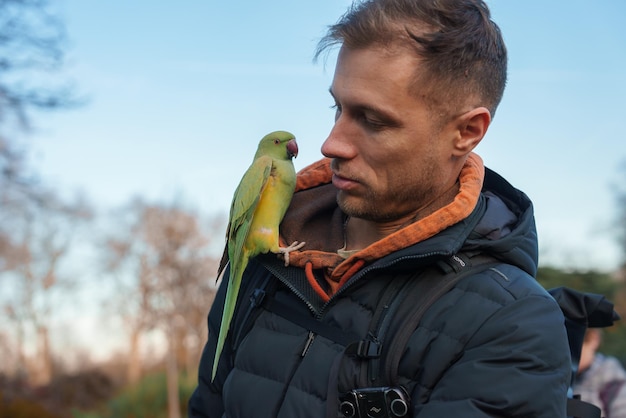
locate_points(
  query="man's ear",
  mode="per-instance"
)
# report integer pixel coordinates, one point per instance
(472, 127)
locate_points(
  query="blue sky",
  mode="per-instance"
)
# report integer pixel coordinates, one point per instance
(181, 92)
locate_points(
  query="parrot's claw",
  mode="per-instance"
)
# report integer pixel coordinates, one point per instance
(284, 251)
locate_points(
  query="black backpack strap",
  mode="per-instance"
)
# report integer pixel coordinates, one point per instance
(408, 296)
(413, 294)
(580, 409)
(370, 348)
(420, 296)
(255, 291)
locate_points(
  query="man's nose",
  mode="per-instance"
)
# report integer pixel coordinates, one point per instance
(338, 144)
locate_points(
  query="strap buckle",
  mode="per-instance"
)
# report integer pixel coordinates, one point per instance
(368, 349)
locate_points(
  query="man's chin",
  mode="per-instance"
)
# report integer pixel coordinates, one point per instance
(355, 207)
(349, 205)
(366, 209)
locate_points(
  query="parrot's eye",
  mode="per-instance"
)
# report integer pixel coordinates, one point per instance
(277, 141)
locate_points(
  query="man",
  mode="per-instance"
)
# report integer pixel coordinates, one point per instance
(416, 85)
(601, 379)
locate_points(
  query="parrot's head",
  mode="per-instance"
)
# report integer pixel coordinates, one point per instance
(279, 144)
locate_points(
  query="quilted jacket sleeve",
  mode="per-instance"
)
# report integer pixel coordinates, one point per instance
(516, 364)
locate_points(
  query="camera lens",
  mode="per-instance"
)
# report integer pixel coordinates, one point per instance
(398, 407)
(347, 409)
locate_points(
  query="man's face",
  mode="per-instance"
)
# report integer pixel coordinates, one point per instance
(391, 154)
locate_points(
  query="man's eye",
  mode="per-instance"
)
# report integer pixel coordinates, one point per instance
(372, 123)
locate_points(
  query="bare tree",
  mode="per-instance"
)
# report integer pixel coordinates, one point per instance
(32, 46)
(166, 250)
(35, 223)
(32, 42)
(42, 233)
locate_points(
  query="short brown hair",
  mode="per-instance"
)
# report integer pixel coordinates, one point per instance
(462, 49)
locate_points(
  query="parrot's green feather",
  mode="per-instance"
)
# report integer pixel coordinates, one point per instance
(259, 204)
(244, 204)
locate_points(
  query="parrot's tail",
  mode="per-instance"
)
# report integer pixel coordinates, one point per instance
(234, 283)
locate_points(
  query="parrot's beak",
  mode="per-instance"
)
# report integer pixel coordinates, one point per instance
(292, 148)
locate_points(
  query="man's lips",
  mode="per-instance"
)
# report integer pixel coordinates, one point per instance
(344, 183)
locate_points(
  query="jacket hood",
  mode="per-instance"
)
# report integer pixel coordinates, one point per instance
(507, 228)
(487, 215)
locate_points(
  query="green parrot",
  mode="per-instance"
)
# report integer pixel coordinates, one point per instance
(258, 207)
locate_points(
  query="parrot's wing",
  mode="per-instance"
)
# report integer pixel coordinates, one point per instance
(245, 202)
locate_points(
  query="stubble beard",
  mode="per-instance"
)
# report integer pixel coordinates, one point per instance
(406, 198)
(383, 208)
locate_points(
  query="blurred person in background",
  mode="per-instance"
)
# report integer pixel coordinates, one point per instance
(601, 379)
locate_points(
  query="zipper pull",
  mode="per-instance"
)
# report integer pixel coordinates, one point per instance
(308, 343)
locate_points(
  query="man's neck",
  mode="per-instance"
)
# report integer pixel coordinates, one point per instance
(360, 233)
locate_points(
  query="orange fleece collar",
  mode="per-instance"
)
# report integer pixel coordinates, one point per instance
(337, 270)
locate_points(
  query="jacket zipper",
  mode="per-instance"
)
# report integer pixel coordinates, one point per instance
(293, 289)
(308, 343)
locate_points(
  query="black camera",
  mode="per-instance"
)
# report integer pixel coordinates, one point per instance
(383, 402)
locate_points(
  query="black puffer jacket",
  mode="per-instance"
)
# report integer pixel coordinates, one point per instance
(494, 346)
